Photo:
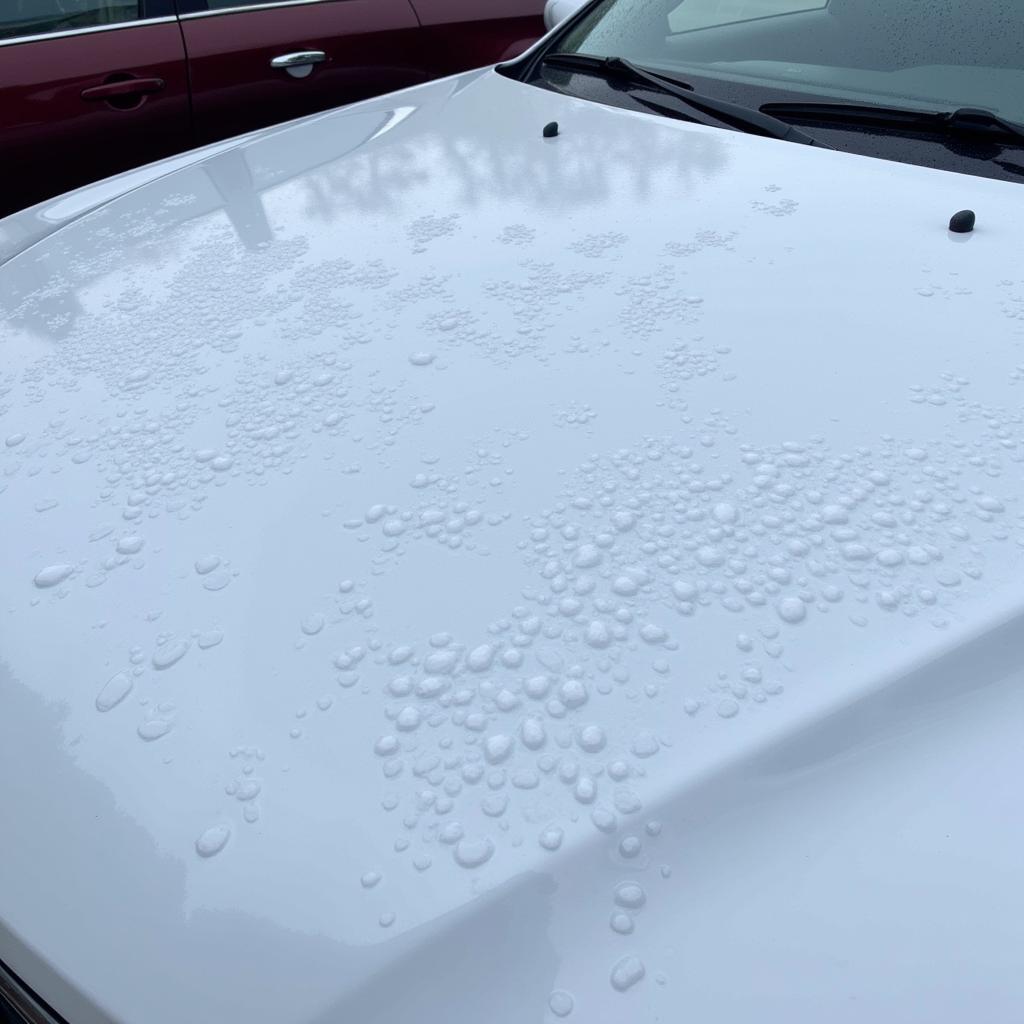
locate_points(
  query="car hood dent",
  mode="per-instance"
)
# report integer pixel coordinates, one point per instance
(423, 528)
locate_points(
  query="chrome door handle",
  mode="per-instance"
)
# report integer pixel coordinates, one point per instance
(299, 64)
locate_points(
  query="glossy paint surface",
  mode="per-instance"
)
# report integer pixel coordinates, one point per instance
(466, 576)
(53, 140)
(556, 11)
(370, 48)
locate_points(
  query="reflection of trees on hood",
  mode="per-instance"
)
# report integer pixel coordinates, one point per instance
(370, 161)
(486, 167)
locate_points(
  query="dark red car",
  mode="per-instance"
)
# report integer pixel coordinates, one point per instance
(92, 87)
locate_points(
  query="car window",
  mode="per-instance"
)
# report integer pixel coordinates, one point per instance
(911, 52)
(691, 15)
(226, 5)
(41, 17)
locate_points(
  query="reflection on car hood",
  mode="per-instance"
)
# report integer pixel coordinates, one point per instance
(458, 575)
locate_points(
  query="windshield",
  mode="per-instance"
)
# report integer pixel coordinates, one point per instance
(927, 54)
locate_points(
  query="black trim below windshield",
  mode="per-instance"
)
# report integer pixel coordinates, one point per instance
(20, 1005)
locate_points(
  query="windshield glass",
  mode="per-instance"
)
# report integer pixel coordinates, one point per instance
(927, 54)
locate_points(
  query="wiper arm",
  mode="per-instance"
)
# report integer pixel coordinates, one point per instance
(744, 119)
(965, 121)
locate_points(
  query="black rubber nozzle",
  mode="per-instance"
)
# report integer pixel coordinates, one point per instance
(962, 222)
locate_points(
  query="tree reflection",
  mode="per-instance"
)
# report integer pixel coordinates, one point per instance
(441, 157)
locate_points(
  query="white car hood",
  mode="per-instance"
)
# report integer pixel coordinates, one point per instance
(417, 529)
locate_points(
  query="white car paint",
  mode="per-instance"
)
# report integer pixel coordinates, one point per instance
(556, 11)
(673, 473)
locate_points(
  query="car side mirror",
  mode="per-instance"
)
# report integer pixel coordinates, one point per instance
(556, 11)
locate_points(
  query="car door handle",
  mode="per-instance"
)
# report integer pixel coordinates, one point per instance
(304, 58)
(123, 87)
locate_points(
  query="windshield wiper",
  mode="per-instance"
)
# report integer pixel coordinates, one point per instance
(971, 122)
(744, 119)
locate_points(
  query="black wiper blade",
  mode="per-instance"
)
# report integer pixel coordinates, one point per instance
(965, 121)
(744, 119)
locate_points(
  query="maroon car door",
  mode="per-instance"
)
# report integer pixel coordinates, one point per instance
(463, 34)
(261, 63)
(87, 89)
